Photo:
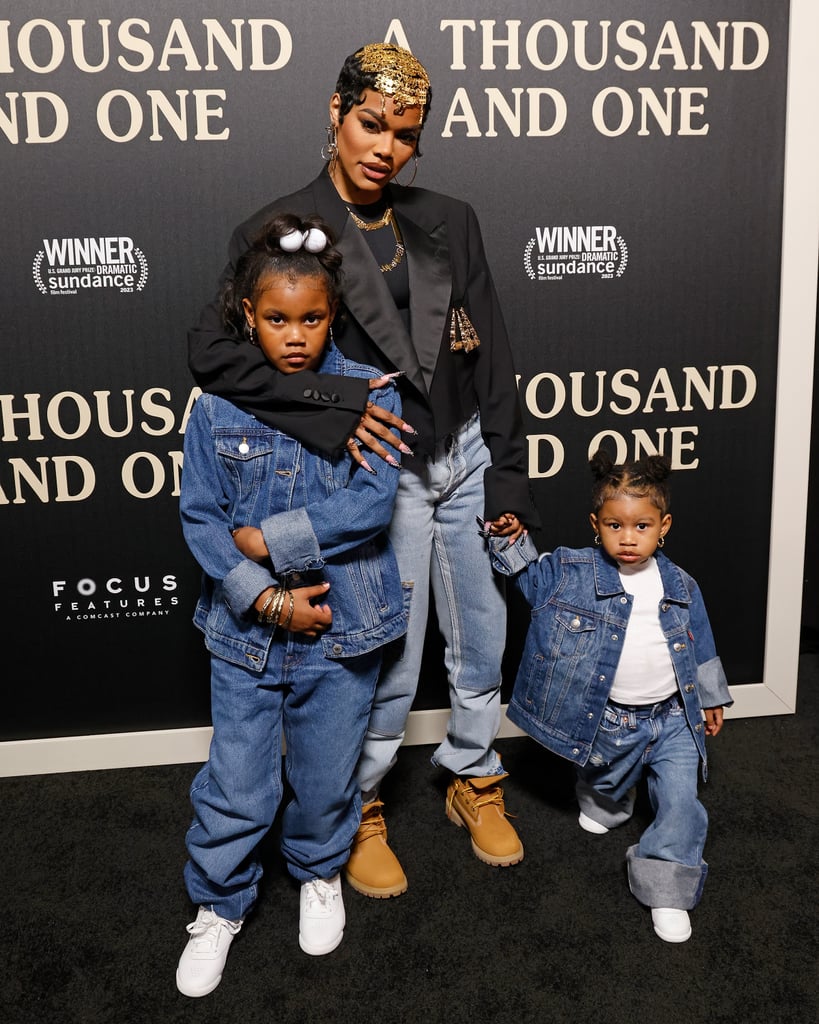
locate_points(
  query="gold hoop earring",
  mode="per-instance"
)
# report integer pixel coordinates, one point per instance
(414, 172)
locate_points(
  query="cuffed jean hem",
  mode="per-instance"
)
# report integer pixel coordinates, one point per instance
(665, 883)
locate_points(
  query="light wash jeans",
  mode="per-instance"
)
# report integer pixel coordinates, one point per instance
(436, 541)
(665, 868)
(323, 707)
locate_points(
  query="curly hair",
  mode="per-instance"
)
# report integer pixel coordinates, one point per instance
(646, 478)
(265, 257)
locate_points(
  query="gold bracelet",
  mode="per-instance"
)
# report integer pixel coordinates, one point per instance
(272, 617)
(261, 615)
(289, 619)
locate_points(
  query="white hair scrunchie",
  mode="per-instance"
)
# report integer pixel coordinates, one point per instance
(292, 241)
(314, 240)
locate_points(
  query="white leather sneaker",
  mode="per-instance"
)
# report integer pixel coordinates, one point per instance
(321, 915)
(203, 959)
(590, 825)
(670, 924)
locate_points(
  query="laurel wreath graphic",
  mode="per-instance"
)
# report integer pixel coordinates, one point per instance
(621, 245)
(35, 270)
(143, 268)
(527, 259)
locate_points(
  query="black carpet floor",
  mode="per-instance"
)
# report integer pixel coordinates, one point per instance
(94, 911)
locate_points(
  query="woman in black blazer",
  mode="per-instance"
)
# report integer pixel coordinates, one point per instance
(418, 299)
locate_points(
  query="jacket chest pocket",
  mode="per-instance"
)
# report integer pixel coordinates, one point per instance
(574, 631)
(258, 467)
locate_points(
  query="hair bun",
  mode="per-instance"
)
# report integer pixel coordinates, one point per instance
(601, 464)
(657, 468)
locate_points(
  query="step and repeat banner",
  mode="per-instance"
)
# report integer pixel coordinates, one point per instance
(627, 160)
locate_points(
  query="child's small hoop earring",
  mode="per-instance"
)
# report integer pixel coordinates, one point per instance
(661, 542)
(597, 539)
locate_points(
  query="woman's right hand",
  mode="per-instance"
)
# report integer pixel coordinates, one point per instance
(378, 425)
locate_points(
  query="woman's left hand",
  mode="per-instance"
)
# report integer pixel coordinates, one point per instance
(506, 525)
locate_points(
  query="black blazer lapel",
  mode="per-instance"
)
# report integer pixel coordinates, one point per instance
(366, 294)
(430, 282)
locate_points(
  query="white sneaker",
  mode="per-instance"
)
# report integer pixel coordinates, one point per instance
(670, 924)
(203, 959)
(321, 915)
(590, 825)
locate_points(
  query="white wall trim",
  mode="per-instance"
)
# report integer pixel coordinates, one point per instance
(182, 746)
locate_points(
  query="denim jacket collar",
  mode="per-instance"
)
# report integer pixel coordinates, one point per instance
(607, 579)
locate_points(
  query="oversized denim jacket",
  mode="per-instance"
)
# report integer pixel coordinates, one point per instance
(320, 518)
(580, 612)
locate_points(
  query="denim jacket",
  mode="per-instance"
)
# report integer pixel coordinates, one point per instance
(321, 518)
(580, 613)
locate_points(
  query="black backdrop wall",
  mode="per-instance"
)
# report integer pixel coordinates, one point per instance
(627, 160)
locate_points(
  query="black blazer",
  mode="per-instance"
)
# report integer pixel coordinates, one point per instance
(447, 269)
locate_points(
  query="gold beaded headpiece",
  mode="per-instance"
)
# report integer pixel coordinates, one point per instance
(397, 74)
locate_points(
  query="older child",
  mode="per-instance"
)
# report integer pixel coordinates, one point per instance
(618, 665)
(312, 531)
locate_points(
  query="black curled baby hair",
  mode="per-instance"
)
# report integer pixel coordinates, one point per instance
(353, 82)
(645, 478)
(266, 257)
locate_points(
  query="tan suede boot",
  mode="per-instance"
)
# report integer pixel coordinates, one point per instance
(477, 804)
(373, 869)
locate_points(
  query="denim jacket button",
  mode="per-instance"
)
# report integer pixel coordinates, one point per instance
(614, 636)
(679, 647)
(575, 622)
(337, 649)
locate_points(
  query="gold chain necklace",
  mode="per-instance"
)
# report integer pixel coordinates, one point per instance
(373, 225)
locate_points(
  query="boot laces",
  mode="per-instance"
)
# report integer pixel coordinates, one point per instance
(476, 798)
(372, 824)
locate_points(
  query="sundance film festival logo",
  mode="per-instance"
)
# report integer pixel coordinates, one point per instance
(67, 266)
(559, 252)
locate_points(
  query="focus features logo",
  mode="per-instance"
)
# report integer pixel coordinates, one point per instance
(67, 266)
(115, 597)
(559, 252)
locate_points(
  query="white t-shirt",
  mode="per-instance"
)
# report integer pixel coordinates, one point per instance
(645, 673)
